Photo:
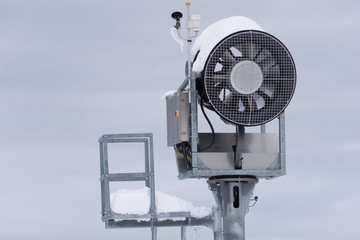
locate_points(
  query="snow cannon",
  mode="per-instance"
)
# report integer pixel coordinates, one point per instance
(247, 77)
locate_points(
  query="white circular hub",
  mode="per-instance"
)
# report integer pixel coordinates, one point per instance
(246, 77)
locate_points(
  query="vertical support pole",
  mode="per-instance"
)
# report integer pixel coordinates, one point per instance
(217, 228)
(263, 128)
(152, 170)
(147, 163)
(217, 235)
(102, 177)
(104, 172)
(282, 142)
(183, 232)
(151, 180)
(153, 233)
(188, 38)
(233, 195)
(193, 122)
(239, 147)
(193, 96)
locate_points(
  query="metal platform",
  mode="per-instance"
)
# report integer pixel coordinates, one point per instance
(152, 219)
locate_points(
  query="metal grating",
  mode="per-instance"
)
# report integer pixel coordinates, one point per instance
(249, 78)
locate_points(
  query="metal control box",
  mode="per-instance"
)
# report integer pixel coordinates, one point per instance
(178, 117)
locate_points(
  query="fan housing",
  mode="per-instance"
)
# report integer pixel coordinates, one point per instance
(248, 79)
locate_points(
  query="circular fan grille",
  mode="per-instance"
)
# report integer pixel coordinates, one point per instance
(249, 78)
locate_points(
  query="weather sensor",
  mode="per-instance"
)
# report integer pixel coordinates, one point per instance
(177, 16)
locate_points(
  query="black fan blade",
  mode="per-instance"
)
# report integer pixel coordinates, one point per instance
(252, 51)
(219, 89)
(262, 55)
(233, 102)
(273, 71)
(245, 50)
(267, 63)
(228, 58)
(229, 98)
(245, 101)
(259, 101)
(269, 86)
(240, 104)
(252, 103)
(265, 98)
(216, 79)
(267, 91)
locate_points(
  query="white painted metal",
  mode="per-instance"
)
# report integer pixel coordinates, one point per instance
(246, 77)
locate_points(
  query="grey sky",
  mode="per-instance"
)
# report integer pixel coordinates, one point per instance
(71, 71)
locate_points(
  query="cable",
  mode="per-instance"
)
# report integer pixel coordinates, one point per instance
(211, 126)
(254, 199)
(183, 149)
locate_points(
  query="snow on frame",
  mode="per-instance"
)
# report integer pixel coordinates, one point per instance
(168, 94)
(213, 34)
(137, 202)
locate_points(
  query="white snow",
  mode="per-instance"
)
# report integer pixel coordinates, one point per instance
(213, 34)
(137, 202)
(168, 203)
(168, 94)
(126, 201)
(176, 37)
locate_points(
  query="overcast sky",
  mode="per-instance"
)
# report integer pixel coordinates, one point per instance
(71, 71)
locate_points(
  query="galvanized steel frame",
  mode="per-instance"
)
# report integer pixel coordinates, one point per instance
(106, 177)
(197, 172)
(151, 219)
